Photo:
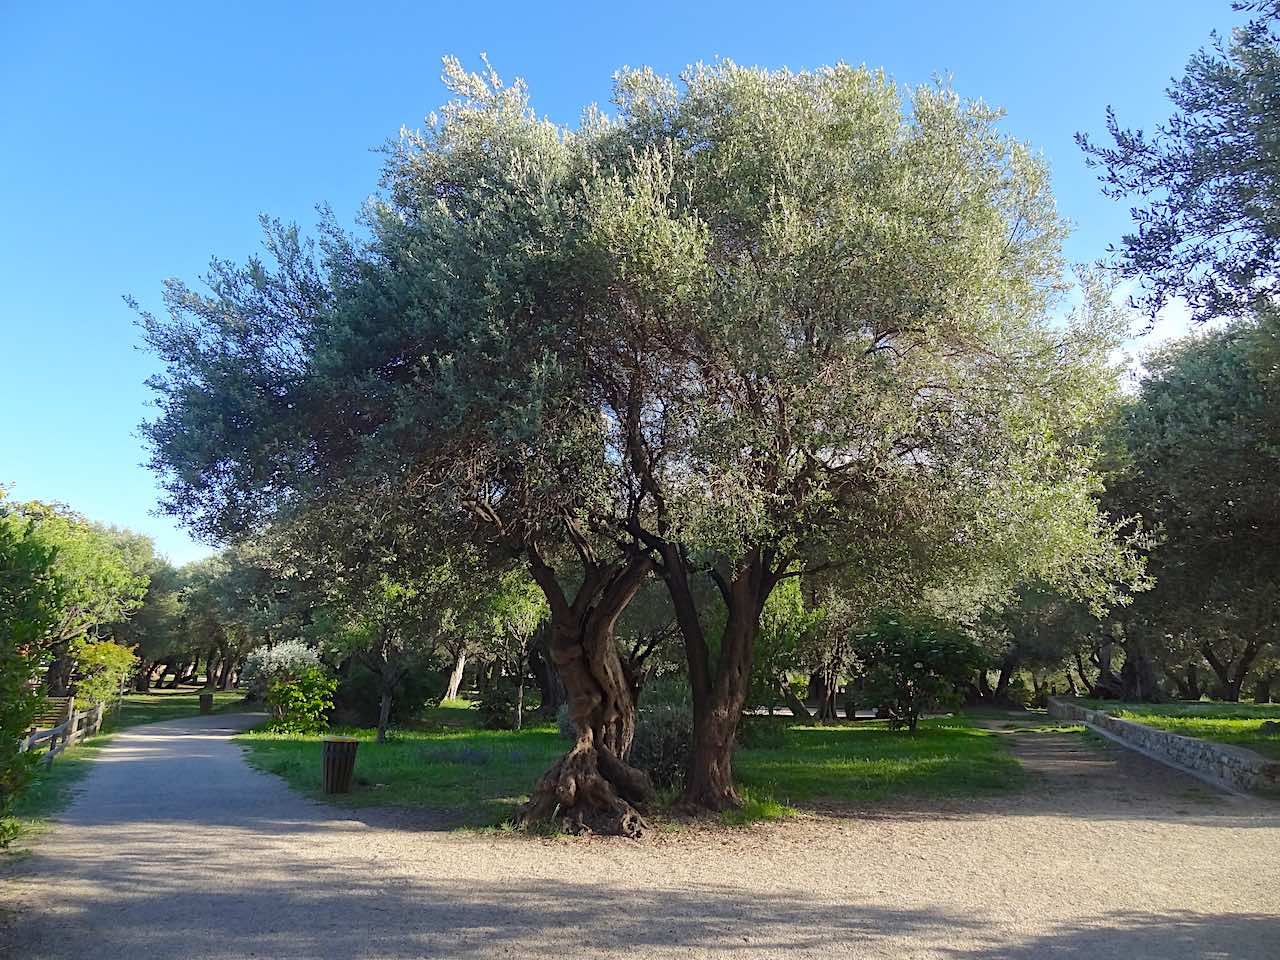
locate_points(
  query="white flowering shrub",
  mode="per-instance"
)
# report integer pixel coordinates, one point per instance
(282, 662)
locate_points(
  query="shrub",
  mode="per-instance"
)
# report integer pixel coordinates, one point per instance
(359, 695)
(301, 704)
(664, 732)
(28, 598)
(284, 662)
(105, 667)
(910, 665)
(498, 706)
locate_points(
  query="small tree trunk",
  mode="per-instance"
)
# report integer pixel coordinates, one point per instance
(455, 677)
(58, 677)
(1007, 668)
(520, 696)
(794, 703)
(826, 694)
(1084, 676)
(719, 695)
(550, 687)
(851, 701)
(384, 715)
(1262, 690)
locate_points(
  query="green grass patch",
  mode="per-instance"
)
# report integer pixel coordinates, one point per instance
(1237, 724)
(446, 763)
(1200, 709)
(865, 761)
(757, 808)
(1236, 731)
(139, 708)
(479, 777)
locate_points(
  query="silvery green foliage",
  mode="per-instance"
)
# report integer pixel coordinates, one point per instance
(283, 661)
(809, 318)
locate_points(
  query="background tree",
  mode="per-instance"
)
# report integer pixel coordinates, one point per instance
(1207, 182)
(29, 599)
(1200, 451)
(155, 630)
(1037, 629)
(512, 617)
(102, 578)
(911, 664)
(389, 593)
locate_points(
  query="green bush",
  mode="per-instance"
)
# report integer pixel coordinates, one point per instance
(664, 732)
(28, 595)
(301, 705)
(359, 694)
(498, 706)
(910, 665)
(104, 668)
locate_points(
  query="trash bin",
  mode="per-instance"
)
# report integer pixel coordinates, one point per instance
(339, 763)
(206, 703)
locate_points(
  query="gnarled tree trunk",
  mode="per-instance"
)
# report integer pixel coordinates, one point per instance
(1233, 669)
(592, 787)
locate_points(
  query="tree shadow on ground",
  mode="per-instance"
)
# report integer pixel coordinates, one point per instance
(329, 913)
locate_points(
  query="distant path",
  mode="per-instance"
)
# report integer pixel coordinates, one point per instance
(178, 849)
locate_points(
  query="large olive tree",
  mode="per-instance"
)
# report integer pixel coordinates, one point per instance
(756, 326)
(831, 349)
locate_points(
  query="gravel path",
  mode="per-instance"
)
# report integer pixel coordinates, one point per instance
(176, 848)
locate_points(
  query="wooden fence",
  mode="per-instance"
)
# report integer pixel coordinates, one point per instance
(77, 725)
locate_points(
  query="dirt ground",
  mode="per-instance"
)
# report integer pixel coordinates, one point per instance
(176, 848)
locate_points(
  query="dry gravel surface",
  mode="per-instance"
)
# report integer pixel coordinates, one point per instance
(176, 848)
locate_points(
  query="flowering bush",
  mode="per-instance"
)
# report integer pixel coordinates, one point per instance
(282, 662)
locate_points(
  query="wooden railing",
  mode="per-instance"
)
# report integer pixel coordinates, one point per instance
(78, 725)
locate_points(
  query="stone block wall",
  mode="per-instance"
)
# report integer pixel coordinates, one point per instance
(1232, 767)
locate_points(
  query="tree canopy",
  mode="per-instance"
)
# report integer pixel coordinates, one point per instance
(756, 325)
(1207, 182)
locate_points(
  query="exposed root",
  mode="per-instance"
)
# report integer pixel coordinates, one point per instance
(589, 790)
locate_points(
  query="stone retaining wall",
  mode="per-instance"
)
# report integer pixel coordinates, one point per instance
(1234, 768)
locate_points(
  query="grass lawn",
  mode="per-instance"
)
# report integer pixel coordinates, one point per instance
(481, 776)
(54, 785)
(136, 708)
(447, 763)
(864, 761)
(1238, 724)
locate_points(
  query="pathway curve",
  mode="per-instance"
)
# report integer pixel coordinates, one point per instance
(176, 848)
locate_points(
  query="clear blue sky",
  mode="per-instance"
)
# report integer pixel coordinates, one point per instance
(138, 139)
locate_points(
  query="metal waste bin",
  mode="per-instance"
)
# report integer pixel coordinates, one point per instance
(339, 763)
(206, 703)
